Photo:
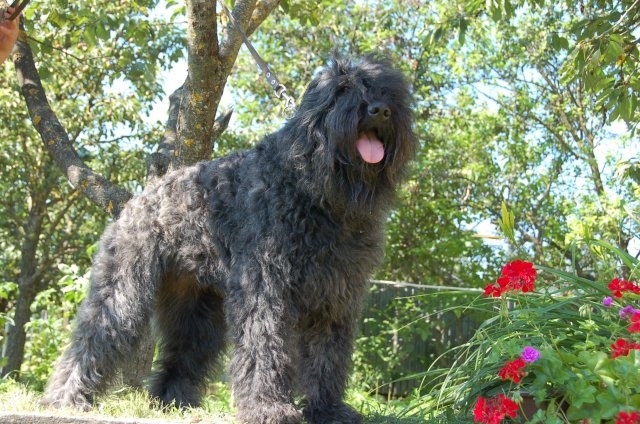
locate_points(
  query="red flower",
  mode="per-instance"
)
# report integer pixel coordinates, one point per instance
(520, 274)
(513, 370)
(622, 347)
(635, 322)
(619, 286)
(492, 290)
(516, 276)
(631, 418)
(492, 411)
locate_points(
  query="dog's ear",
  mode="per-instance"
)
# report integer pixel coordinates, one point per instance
(339, 63)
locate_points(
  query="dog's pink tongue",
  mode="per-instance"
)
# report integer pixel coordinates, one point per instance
(370, 148)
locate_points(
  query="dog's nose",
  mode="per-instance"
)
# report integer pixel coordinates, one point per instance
(379, 110)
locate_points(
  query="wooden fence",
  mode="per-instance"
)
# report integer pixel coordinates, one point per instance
(416, 329)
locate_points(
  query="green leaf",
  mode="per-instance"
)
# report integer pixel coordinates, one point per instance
(507, 222)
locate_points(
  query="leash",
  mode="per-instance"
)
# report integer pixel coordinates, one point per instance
(279, 88)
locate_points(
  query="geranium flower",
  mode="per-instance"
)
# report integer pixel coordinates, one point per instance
(520, 275)
(607, 301)
(492, 290)
(619, 286)
(628, 418)
(529, 354)
(626, 311)
(622, 347)
(516, 276)
(492, 411)
(513, 370)
(635, 322)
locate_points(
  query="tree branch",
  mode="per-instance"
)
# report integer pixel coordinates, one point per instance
(99, 190)
(250, 15)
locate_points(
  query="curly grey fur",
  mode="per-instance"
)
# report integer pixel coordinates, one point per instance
(272, 246)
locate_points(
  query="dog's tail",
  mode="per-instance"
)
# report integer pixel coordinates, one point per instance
(111, 319)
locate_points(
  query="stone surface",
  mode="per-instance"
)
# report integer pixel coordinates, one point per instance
(31, 418)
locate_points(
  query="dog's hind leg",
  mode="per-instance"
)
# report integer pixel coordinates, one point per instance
(109, 322)
(191, 323)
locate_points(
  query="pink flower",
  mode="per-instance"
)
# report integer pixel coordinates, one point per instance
(529, 354)
(607, 301)
(626, 311)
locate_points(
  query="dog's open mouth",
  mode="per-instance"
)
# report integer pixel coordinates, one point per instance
(370, 147)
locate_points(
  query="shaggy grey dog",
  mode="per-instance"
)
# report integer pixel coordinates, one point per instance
(272, 247)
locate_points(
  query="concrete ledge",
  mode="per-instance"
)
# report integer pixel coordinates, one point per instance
(32, 418)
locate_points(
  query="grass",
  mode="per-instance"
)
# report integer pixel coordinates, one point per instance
(217, 408)
(18, 398)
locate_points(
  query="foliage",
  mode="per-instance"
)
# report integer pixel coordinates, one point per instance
(577, 375)
(53, 308)
(400, 336)
(597, 45)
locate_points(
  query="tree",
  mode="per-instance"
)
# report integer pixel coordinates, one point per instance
(132, 46)
(597, 46)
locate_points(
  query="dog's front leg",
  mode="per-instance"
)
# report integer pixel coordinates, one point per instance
(261, 364)
(326, 346)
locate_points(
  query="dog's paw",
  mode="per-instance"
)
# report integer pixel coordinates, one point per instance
(270, 413)
(66, 399)
(333, 414)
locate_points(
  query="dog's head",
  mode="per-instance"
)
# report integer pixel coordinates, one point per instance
(358, 119)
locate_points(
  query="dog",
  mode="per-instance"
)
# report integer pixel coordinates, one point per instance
(269, 248)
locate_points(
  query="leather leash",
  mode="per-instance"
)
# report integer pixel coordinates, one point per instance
(279, 88)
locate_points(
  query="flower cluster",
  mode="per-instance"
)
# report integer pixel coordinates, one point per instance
(628, 418)
(557, 370)
(619, 286)
(627, 311)
(493, 410)
(622, 347)
(513, 370)
(516, 276)
(634, 327)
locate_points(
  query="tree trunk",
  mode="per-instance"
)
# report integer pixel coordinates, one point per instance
(27, 285)
(16, 336)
